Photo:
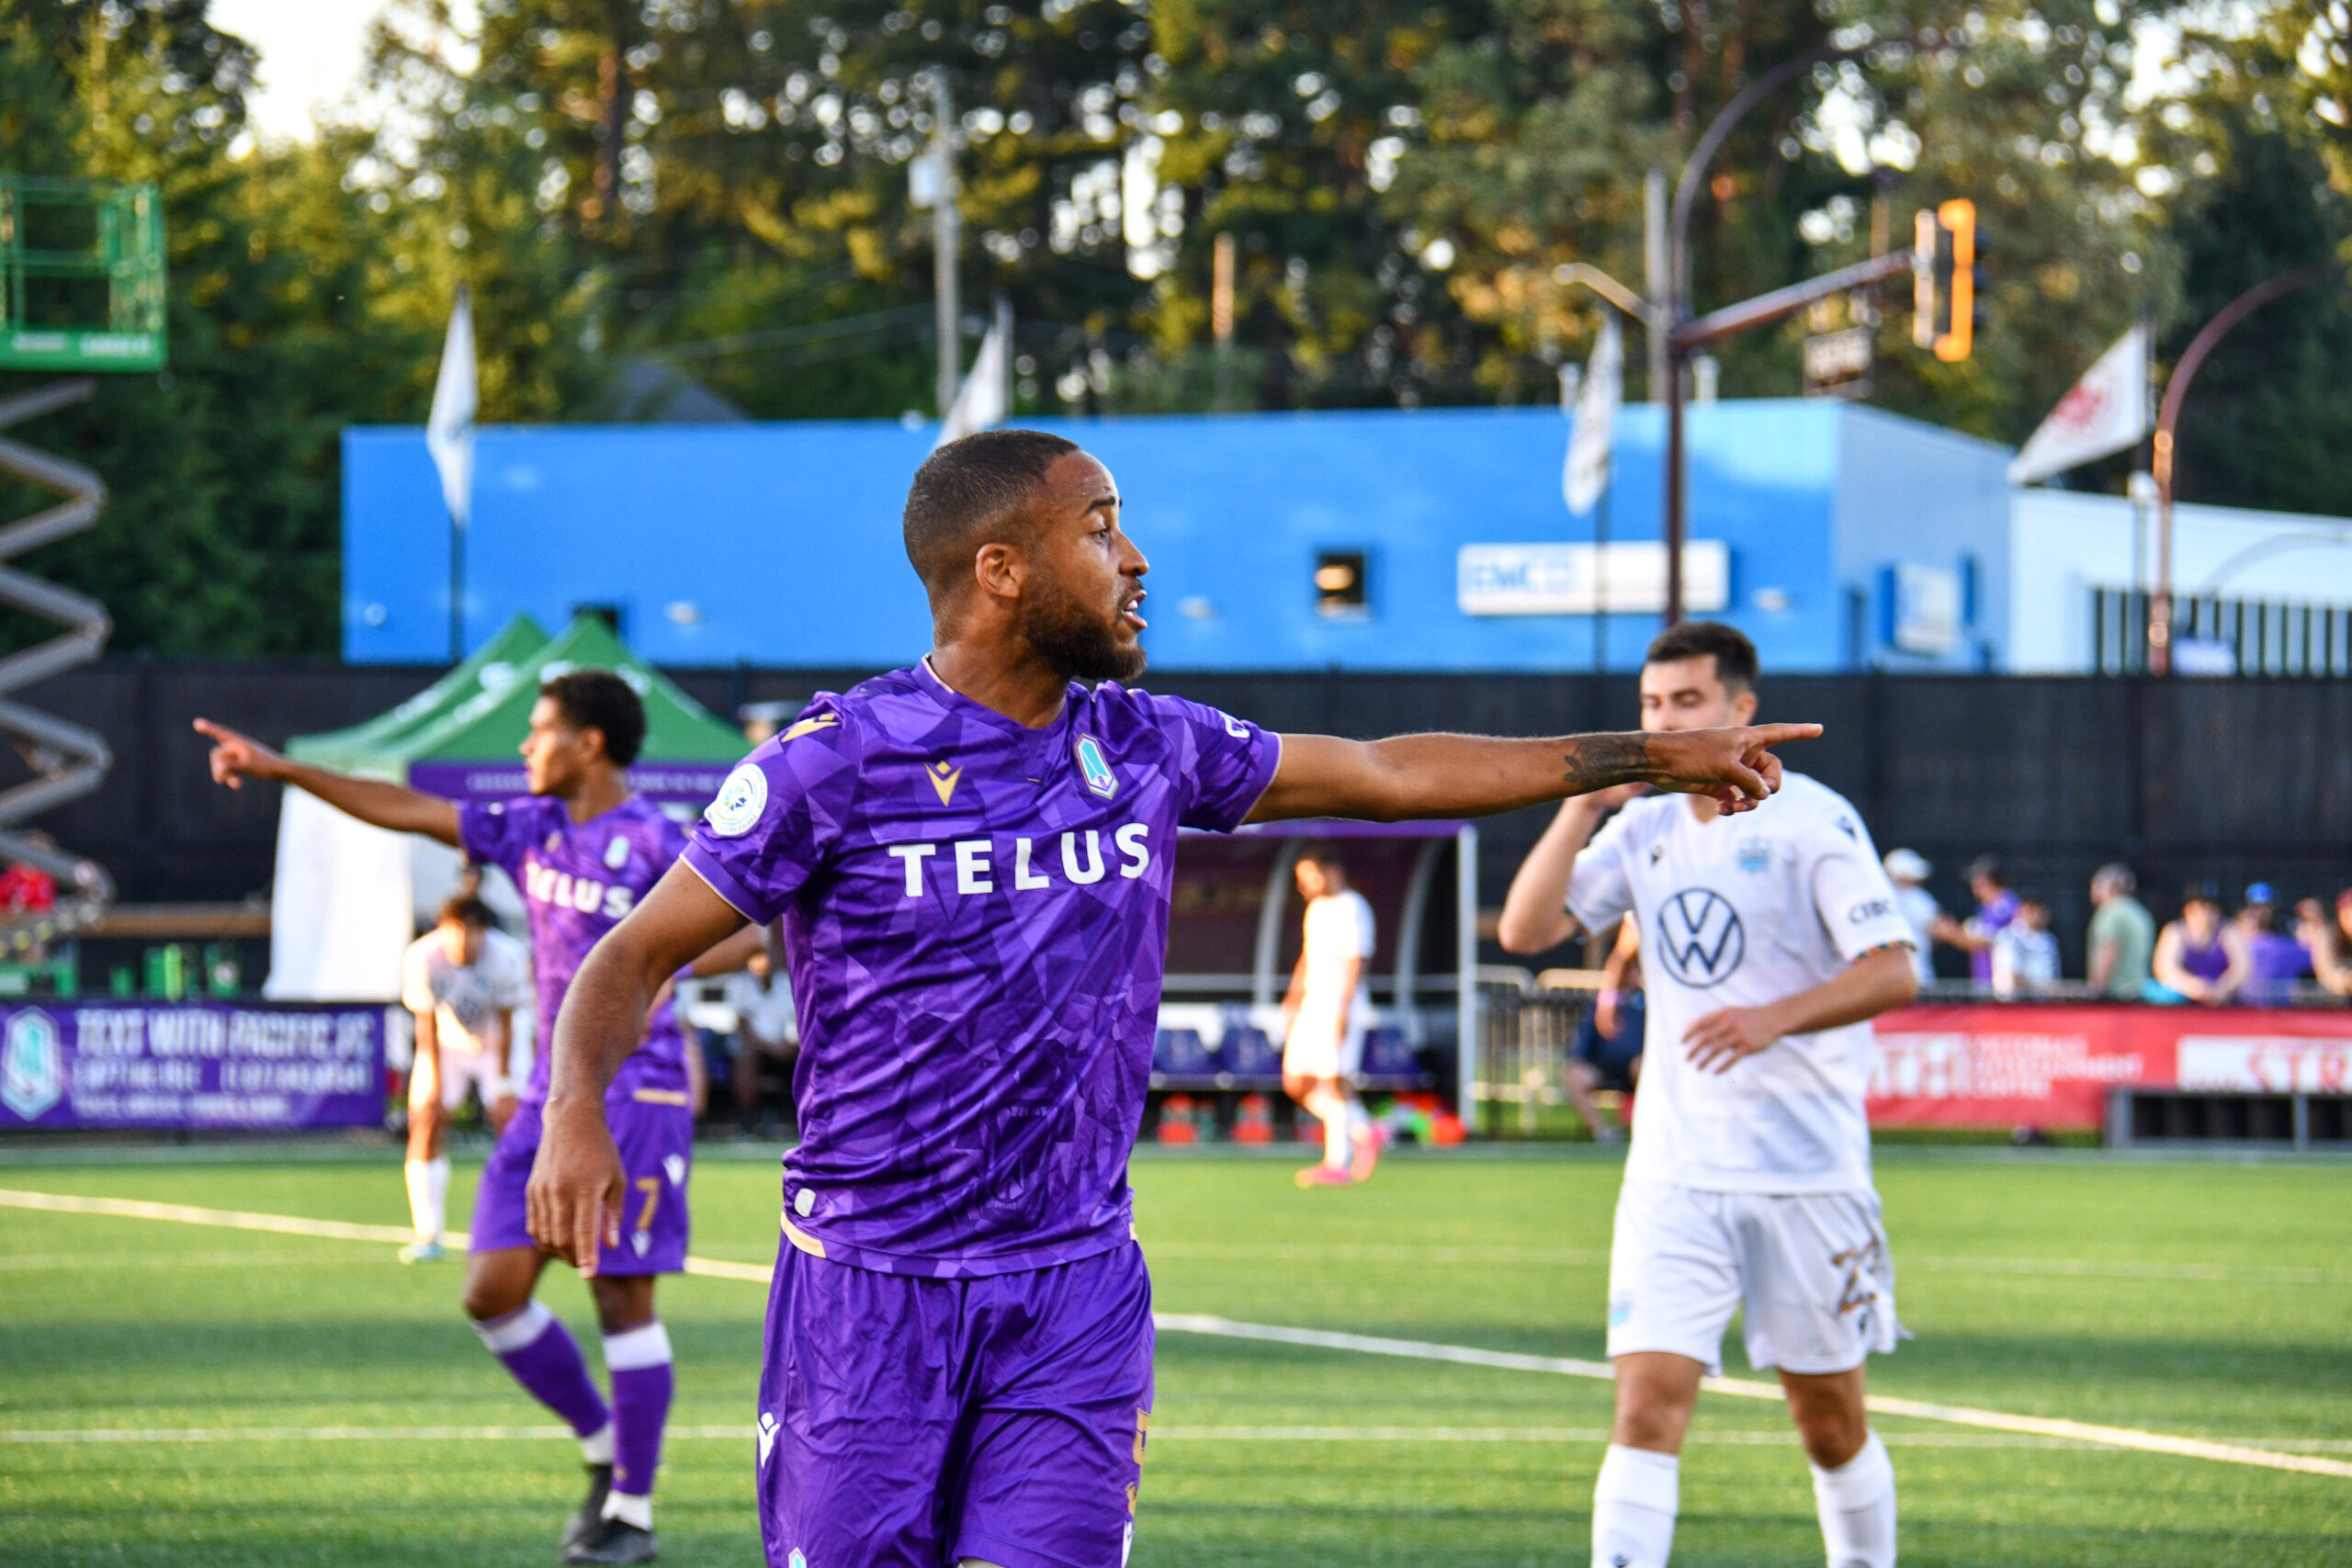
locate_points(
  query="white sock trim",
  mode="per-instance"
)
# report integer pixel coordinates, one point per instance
(517, 1330)
(1861, 1483)
(647, 1345)
(630, 1510)
(1646, 1480)
(596, 1447)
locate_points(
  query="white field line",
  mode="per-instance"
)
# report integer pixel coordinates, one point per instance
(1226, 1328)
(1777, 1438)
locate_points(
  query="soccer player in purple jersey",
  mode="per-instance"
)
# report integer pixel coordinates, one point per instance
(583, 851)
(972, 861)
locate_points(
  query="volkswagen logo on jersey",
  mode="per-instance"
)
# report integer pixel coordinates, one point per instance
(1097, 768)
(1700, 936)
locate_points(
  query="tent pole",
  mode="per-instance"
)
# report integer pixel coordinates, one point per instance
(1466, 979)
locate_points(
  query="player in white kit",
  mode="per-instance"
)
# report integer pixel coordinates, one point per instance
(1325, 1014)
(462, 980)
(1770, 942)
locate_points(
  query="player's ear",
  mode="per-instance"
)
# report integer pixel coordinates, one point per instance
(998, 570)
(1743, 708)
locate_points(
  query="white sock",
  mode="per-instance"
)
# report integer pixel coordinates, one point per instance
(429, 1196)
(1359, 1120)
(1855, 1502)
(1338, 1150)
(596, 1447)
(637, 1511)
(1634, 1503)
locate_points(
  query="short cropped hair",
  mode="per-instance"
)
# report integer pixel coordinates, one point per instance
(2117, 876)
(1734, 656)
(601, 701)
(465, 909)
(966, 488)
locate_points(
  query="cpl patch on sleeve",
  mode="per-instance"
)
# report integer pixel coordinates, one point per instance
(741, 801)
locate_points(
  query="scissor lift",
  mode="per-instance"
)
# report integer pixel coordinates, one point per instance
(82, 289)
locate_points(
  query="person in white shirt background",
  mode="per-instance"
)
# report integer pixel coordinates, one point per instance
(1325, 1014)
(2025, 953)
(766, 1029)
(1769, 941)
(1909, 870)
(462, 980)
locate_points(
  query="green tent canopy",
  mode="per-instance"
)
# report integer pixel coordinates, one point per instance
(469, 751)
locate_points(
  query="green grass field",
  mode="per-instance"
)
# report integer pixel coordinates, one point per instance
(2210, 1300)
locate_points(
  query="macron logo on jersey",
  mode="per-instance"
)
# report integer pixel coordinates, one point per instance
(978, 863)
(1700, 937)
(546, 884)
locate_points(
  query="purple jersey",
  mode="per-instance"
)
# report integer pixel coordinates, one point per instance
(976, 915)
(578, 879)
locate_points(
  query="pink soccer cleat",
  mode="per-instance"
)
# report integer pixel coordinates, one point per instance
(1325, 1175)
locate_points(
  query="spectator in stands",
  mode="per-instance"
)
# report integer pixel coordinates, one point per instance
(2328, 941)
(2193, 952)
(25, 888)
(766, 1030)
(2122, 935)
(1908, 871)
(2266, 962)
(1996, 906)
(1608, 1049)
(2024, 955)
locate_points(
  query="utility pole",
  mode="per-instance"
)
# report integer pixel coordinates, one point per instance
(2168, 420)
(946, 225)
(1658, 315)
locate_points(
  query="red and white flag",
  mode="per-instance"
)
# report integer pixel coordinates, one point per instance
(2105, 411)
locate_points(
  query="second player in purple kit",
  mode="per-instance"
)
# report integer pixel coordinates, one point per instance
(583, 850)
(972, 861)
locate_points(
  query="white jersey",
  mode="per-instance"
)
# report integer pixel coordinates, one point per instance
(1738, 912)
(1338, 930)
(463, 999)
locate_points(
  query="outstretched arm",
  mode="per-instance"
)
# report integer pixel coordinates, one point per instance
(577, 1183)
(1411, 776)
(236, 758)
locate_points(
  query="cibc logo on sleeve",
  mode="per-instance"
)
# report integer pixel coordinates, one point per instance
(741, 801)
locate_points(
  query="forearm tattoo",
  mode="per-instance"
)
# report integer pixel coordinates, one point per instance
(1599, 761)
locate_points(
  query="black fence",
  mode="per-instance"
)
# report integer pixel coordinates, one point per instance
(2237, 779)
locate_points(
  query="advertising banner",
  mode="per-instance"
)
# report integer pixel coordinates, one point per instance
(2012, 1064)
(190, 1064)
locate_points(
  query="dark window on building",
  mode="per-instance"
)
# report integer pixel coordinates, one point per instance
(1339, 585)
(608, 613)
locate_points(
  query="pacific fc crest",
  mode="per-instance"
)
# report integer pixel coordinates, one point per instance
(1096, 767)
(942, 775)
(32, 1064)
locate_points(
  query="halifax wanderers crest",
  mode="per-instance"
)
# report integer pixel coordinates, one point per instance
(1699, 937)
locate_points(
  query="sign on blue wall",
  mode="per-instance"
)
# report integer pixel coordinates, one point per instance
(779, 544)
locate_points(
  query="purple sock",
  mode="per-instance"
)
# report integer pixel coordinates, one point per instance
(546, 1361)
(639, 1359)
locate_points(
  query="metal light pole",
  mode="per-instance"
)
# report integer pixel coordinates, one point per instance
(2168, 419)
(1678, 295)
(946, 225)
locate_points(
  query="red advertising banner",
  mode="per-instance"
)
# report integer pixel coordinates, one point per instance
(2050, 1066)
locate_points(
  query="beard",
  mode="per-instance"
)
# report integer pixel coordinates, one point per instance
(1079, 643)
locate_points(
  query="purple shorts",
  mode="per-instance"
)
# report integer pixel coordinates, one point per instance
(912, 1422)
(657, 1144)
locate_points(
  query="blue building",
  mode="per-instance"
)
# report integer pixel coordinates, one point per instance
(1838, 536)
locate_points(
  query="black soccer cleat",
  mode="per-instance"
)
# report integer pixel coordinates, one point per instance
(613, 1540)
(591, 1507)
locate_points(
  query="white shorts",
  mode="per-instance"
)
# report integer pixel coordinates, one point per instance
(461, 1070)
(1811, 1269)
(1312, 1051)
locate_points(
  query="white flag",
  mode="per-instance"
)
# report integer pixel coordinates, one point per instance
(985, 399)
(449, 429)
(2105, 411)
(1585, 474)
